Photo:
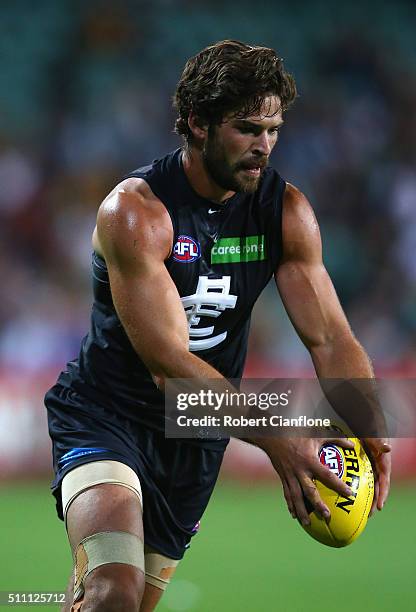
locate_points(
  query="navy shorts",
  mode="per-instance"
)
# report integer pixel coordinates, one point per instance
(177, 476)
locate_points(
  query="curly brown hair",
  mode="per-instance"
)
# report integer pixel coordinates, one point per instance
(230, 77)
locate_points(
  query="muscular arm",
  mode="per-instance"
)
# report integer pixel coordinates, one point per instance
(310, 299)
(134, 235)
(314, 309)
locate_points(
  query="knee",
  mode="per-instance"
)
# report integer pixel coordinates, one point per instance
(112, 600)
(113, 589)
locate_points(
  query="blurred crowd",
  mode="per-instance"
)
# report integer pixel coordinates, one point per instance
(86, 97)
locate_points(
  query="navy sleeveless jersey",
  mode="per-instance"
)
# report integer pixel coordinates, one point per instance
(222, 257)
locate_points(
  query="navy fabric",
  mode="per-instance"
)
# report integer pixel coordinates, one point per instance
(177, 478)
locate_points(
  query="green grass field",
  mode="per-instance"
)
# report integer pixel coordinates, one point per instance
(249, 556)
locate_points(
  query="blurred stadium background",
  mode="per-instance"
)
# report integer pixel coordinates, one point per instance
(85, 97)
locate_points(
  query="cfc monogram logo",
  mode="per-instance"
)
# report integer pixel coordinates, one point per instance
(211, 298)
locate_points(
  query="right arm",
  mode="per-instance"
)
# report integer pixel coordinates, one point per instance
(134, 235)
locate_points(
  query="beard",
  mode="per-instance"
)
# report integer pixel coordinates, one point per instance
(228, 176)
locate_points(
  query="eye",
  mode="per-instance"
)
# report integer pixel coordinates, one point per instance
(246, 129)
(275, 131)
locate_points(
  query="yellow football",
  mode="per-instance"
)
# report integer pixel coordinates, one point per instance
(348, 515)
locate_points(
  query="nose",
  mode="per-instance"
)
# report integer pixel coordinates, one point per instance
(263, 144)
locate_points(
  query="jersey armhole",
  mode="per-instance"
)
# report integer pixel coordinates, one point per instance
(278, 214)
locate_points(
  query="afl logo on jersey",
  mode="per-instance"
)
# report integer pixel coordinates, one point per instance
(186, 249)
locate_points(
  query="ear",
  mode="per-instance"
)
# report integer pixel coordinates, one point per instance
(198, 128)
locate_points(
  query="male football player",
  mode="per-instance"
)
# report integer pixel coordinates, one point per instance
(170, 303)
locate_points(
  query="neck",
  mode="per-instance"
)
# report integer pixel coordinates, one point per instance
(199, 178)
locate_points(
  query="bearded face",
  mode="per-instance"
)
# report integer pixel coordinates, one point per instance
(241, 175)
(236, 152)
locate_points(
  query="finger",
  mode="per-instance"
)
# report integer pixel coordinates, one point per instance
(377, 446)
(376, 486)
(288, 498)
(385, 447)
(296, 495)
(311, 493)
(379, 454)
(383, 481)
(328, 478)
(383, 491)
(375, 498)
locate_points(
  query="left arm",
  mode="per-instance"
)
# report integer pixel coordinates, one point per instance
(314, 309)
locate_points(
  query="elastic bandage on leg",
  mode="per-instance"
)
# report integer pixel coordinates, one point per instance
(158, 568)
(107, 547)
(94, 473)
(103, 548)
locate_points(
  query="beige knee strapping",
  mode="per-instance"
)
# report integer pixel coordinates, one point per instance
(103, 548)
(98, 472)
(158, 568)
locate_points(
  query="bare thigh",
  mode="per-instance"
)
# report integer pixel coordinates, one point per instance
(101, 508)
